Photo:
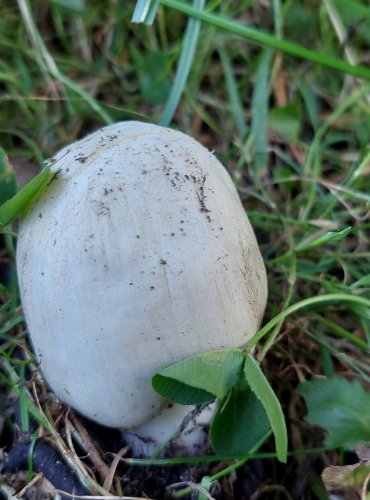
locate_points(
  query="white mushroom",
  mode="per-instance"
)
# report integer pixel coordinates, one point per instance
(138, 254)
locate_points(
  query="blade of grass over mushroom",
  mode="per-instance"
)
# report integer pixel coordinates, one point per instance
(183, 66)
(310, 302)
(239, 423)
(263, 391)
(269, 40)
(19, 202)
(203, 377)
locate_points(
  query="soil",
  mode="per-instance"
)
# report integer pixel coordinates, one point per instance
(53, 473)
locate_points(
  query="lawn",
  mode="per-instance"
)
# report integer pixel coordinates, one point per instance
(280, 92)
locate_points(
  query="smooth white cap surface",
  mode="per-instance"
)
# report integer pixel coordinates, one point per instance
(138, 255)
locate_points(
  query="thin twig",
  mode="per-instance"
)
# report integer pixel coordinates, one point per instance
(90, 448)
(28, 485)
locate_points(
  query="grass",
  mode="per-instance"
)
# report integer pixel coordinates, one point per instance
(281, 94)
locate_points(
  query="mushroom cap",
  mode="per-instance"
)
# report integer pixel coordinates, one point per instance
(137, 255)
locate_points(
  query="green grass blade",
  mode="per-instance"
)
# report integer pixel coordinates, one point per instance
(325, 239)
(260, 113)
(11, 209)
(269, 40)
(152, 12)
(335, 329)
(23, 405)
(312, 164)
(30, 457)
(48, 63)
(32, 144)
(75, 87)
(11, 324)
(219, 458)
(361, 168)
(184, 66)
(262, 389)
(8, 181)
(320, 300)
(141, 11)
(145, 11)
(278, 18)
(236, 106)
(237, 464)
(356, 8)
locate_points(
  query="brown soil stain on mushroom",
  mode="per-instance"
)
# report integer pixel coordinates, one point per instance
(195, 177)
(101, 208)
(202, 196)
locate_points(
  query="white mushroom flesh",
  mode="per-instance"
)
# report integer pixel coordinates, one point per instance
(137, 255)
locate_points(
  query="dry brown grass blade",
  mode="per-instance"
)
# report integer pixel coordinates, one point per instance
(109, 478)
(90, 448)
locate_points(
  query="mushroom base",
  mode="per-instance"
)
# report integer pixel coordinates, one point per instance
(181, 430)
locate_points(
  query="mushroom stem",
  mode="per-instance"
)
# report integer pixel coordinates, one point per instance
(183, 429)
